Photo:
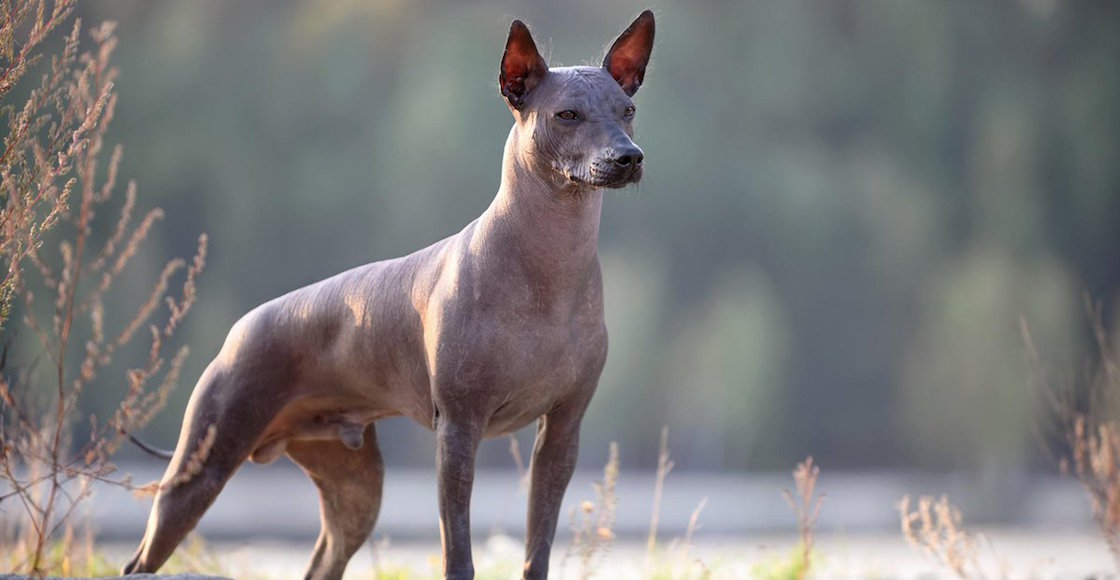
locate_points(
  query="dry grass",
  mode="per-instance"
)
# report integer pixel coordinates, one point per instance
(593, 523)
(936, 529)
(676, 561)
(664, 466)
(50, 166)
(689, 534)
(1085, 414)
(806, 505)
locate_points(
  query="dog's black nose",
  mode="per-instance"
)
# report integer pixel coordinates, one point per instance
(629, 158)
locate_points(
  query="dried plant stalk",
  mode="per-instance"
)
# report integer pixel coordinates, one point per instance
(522, 473)
(690, 531)
(49, 181)
(1085, 414)
(936, 529)
(664, 466)
(806, 505)
(593, 527)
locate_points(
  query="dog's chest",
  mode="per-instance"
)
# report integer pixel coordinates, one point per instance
(535, 385)
(534, 361)
(524, 371)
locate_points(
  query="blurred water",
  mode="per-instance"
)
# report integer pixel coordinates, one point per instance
(280, 502)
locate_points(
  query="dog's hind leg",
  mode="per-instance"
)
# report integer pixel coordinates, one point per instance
(223, 420)
(349, 482)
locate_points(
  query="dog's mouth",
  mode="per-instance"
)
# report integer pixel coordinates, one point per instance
(597, 179)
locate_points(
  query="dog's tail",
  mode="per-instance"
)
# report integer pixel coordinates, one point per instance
(153, 451)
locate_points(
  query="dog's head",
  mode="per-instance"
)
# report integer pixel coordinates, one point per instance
(576, 123)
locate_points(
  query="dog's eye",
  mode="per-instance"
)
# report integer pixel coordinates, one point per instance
(629, 111)
(568, 115)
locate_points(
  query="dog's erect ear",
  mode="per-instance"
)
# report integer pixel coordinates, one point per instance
(522, 66)
(629, 55)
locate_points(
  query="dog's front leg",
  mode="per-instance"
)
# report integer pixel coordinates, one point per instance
(554, 459)
(457, 442)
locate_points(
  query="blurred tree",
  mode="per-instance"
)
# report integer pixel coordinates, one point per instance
(847, 206)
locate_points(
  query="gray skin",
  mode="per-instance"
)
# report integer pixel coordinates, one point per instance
(474, 336)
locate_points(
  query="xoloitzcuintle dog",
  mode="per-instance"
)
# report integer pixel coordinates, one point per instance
(475, 336)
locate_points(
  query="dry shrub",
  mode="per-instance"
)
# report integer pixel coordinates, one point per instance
(593, 524)
(1085, 413)
(1096, 457)
(44, 138)
(806, 505)
(49, 172)
(936, 529)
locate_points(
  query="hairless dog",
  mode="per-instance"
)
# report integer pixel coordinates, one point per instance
(474, 336)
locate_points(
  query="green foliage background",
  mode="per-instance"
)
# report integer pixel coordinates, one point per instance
(848, 205)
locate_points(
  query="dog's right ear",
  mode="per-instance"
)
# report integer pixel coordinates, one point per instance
(629, 55)
(522, 66)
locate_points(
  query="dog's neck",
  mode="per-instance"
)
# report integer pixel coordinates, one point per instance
(541, 223)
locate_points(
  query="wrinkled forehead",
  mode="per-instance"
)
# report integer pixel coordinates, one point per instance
(584, 87)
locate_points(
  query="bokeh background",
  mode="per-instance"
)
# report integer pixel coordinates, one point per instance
(848, 208)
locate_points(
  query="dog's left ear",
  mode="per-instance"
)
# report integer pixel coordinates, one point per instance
(522, 66)
(629, 55)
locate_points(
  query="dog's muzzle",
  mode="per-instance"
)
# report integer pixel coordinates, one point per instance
(619, 170)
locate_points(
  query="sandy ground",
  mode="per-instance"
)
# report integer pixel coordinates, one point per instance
(1005, 553)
